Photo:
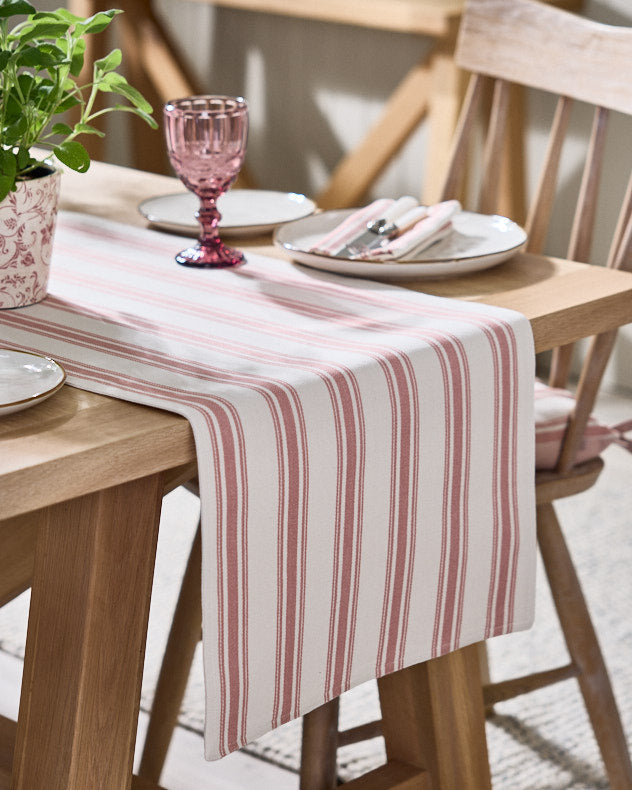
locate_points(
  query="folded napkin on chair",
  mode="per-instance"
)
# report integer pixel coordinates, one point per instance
(406, 241)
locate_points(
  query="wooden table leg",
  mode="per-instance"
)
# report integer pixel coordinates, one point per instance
(18, 537)
(86, 637)
(433, 716)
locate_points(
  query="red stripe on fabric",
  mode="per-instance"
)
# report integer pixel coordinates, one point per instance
(347, 535)
(402, 529)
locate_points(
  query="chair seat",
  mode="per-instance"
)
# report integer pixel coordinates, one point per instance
(553, 407)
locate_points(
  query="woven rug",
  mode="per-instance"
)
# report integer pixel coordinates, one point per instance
(541, 741)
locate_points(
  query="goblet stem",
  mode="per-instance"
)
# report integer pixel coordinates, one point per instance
(208, 216)
(210, 251)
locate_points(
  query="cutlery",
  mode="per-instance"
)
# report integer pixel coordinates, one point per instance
(376, 229)
(418, 232)
(387, 232)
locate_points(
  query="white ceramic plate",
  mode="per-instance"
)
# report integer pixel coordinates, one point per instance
(27, 379)
(477, 242)
(245, 212)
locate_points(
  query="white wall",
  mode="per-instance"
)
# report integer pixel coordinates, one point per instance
(314, 90)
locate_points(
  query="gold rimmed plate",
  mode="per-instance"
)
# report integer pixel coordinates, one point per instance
(27, 379)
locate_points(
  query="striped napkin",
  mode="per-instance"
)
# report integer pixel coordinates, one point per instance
(433, 226)
(365, 457)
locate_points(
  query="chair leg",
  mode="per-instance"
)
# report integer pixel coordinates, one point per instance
(584, 649)
(176, 666)
(320, 741)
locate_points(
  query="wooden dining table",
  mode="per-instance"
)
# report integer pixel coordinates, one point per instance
(81, 482)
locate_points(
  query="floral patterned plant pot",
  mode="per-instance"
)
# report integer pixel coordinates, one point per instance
(27, 226)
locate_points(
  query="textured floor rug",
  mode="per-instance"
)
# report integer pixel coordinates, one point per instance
(541, 741)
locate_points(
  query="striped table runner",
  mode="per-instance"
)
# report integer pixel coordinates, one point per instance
(365, 457)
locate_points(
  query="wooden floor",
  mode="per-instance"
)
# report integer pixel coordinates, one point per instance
(186, 768)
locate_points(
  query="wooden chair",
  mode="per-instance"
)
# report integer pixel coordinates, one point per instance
(503, 44)
(521, 41)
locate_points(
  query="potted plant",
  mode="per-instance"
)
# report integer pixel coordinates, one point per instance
(41, 60)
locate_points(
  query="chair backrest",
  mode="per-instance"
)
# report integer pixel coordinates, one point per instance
(509, 43)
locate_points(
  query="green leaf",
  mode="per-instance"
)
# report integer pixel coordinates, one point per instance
(28, 86)
(97, 22)
(4, 58)
(61, 128)
(59, 13)
(55, 52)
(14, 7)
(116, 83)
(85, 128)
(109, 62)
(34, 57)
(76, 62)
(69, 101)
(145, 116)
(13, 109)
(46, 15)
(74, 155)
(44, 28)
(7, 184)
(15, 131)
(43, 95)
(8, 163)
(24, 159)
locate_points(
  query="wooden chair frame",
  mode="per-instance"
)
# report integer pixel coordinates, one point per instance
(521, 41)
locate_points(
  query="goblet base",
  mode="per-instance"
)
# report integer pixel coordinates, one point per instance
(210, 256)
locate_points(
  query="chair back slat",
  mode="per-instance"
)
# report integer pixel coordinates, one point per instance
(585, 212)
(453, 182)
(585, 396)
(619, 256)
(530, 44)
(583, 228)
(494, 146)
(623, 258)
(542, 203)
(563, 53)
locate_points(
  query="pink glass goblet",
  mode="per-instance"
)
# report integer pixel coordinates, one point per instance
(206, 140)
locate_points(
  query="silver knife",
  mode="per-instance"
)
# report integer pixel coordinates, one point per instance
(375, 228)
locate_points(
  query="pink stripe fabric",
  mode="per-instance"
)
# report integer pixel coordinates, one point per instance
(365, 457)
